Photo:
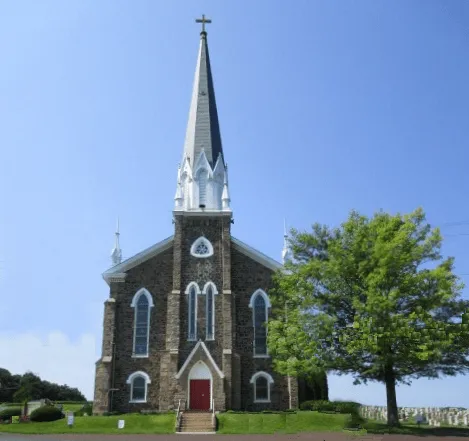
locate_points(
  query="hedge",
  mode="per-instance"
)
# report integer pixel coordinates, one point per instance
(7, 413)
(46, 413)
(350, 407)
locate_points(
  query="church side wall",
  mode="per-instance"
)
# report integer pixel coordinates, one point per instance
(156, 276)
(248, 276)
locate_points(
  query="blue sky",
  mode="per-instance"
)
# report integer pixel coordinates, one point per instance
(324, 107)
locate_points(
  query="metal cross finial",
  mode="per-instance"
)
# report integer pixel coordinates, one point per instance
(203, 20)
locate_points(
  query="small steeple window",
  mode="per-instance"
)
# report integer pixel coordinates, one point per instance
(202, 248)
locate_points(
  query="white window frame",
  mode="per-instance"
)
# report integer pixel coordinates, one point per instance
(214, 293)
(259, 292)
(195, 245)
(146, 293)
(189, 311)
(270, 381)
(130, 380)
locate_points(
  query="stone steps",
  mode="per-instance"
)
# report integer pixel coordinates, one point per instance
(196, 423)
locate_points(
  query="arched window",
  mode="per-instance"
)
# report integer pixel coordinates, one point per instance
(203, 176)
(139, 382)
(202, 248)
(209, 291)
(260, 304)
(142, 302)
(192, 291)
(262, 382)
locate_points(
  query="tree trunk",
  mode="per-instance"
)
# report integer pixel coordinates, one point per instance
(390, 381)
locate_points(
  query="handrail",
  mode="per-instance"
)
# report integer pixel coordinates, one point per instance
(178, 416)
(213, 414)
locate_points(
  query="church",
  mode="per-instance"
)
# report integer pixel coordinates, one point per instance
(184, 321)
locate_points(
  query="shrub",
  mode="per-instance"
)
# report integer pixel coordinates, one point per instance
(347, 407)
(87, 408)
(355, 421)
(331, 406)
(8, 412)
(46, 413)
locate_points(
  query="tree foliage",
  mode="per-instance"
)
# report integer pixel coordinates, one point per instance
(373, 298)
(21, 388)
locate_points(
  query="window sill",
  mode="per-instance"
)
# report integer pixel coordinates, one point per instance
(139, 356)
(137, 401)
(261, 356)
(210, 339)
(261, 401)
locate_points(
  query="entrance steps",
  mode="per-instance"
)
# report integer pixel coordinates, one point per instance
(196, 423)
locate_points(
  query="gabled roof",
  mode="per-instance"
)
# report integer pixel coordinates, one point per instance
(200, 344)
(203, 129)
(143, 256)
(255, 254)
(139, 258)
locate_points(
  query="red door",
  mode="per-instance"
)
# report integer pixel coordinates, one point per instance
(200, 395)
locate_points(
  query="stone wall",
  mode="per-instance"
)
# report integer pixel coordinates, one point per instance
(248, 276)
(156, 276)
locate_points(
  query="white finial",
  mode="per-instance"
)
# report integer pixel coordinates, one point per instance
(286, 252)
(225, 197)
(116, 253)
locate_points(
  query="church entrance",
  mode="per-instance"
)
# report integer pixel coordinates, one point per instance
(200, 385)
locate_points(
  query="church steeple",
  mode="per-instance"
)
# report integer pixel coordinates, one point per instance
(203, 129)
(202, 183)
(116, 253)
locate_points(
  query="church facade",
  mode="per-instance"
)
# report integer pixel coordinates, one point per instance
(184, 321)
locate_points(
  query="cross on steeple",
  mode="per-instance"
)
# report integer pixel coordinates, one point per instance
(203, 20)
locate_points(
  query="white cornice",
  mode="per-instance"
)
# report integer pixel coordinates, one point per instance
(119, 271)
(200, 212)
(191, 355)
(255, 254)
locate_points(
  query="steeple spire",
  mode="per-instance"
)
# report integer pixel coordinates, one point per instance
(203, 130)
(116, 253)
(286, 252)
(202, 183)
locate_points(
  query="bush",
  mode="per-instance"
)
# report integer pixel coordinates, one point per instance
(7, 413)
(46, 413)
(87, 408)
(355, 421)
(331, 406)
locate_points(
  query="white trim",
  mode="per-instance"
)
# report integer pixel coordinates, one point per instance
(130, 380)
(139, 293)
(189, 383)
(270, 381)
(201, 344)
(192, 212)
(263, 294)
(214, 293)
(119, 270)
(208, 245)
(146, 293)
(197, 293)
(255, 254)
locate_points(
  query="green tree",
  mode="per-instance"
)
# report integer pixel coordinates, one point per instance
(373, 298)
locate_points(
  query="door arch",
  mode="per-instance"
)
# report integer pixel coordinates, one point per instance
(200, 387)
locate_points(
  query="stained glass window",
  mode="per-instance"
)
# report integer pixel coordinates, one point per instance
(210, 320)
(260, 331)
(141, 326)
(139, 386)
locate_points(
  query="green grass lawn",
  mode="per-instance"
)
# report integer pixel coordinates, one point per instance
(134, 423)
(302, 421)
(72, 407)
